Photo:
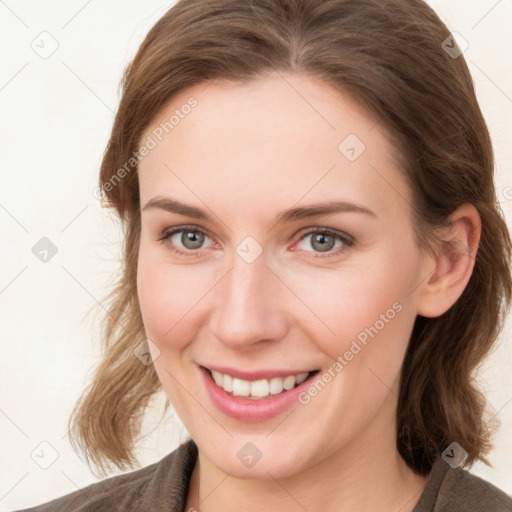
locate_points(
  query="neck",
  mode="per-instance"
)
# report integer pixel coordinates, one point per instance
(366, 474)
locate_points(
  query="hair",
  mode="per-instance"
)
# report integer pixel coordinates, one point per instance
(388, 56)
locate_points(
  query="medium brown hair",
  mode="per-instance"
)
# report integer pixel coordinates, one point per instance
(390, 57)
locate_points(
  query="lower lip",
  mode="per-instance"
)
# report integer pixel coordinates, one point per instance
(253, 410)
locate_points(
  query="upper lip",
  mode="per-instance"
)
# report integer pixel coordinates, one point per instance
(255, 375)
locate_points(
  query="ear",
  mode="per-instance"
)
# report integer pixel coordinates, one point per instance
(454, 263)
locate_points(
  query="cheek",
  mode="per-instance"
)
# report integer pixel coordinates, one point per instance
(369, 308)
(172, 299)
(341, 306)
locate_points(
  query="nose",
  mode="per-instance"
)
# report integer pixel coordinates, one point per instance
(249, 305)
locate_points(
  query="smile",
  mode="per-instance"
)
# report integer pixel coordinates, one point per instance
(257, 389)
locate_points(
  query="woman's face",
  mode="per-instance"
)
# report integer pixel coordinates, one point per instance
(253, 289)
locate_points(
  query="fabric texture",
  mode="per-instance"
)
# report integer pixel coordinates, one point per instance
(163, 487)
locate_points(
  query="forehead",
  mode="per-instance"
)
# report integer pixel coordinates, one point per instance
(282, 138)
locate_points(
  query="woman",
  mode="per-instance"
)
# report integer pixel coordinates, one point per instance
(311, 232)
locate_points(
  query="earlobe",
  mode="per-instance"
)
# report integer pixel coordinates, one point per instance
(454, 263)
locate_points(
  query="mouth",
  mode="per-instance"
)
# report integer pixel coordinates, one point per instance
(258, 389)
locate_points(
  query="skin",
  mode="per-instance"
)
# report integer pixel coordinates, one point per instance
(244, 154)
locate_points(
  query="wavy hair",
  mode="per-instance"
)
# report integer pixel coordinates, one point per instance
(391, 57)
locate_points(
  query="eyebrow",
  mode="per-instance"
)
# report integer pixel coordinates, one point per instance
(292, 214)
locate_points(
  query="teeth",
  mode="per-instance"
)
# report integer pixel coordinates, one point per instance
(258, 388)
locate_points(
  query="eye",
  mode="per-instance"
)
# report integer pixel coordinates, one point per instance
(323, 240)
(187, 240)
(191, 239)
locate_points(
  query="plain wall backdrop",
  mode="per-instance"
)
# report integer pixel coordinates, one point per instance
(61, 63)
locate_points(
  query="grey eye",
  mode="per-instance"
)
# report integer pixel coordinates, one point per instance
(189, 239)
(321, 241)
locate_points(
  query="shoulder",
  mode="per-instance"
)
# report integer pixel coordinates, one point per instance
(460, 487)
(458, 490)
(154, 487)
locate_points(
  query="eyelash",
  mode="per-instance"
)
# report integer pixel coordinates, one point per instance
(347, 241)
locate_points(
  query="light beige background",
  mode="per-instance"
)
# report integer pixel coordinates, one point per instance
(56, 115)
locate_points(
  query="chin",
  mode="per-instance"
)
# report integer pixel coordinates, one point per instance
(257, 458)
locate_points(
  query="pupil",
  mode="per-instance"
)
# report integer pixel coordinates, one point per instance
(193, 238)
(321, 239)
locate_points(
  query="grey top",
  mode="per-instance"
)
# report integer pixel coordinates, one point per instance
(163, 486)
